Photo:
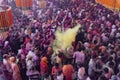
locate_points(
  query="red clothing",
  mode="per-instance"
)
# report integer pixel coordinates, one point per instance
(43, 68)
(27, 40)
(54, 72)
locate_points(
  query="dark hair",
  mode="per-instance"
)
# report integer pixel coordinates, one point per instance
(5, 56)
(111, 64)
(98, 65)
(80, 64)
(10, 50)
(95, 42)
(81, 48)
(94, 56)
(46, 75)
(56, 65)
(106, 70)
(110, 58)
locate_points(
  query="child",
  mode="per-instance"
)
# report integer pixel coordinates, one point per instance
(60, 75)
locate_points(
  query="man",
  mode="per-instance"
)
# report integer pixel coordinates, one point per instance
(44, 67)
(79, 56)
(2, 69)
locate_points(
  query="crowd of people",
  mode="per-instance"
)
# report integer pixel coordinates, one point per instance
(27, 53)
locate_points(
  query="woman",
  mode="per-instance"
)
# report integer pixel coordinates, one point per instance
(7, 64)
(15, 69)
(55, 70)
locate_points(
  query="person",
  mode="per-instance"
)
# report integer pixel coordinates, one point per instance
(29, 62)
(55, 70)
(79, 57)
(15, 69)
(69, 54)
(2, 70)
(91, 67)
(29, 45)
(36, 59)
(22, 65)
(33, 74)
(47, 77)
(60, 75)
(43, 67)
(7, 64)
(68, 70)
(98, 67)
(81, 72)
(58, 59)
(22, 50)
(107, 73)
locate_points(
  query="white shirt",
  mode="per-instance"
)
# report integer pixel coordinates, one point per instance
(81, 72)
(60, 77)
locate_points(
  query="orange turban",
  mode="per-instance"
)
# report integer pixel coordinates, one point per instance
(44, 59)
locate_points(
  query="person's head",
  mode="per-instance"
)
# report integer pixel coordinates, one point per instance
(19, 56)
(112, 52)
(5, 56)
(10, 51)
(29, 57)
(111, 64)
(49, 48)
(12, 59)
(106, 70)
(110, 58)
(56, 65)
(60, 54)
(44, 59)
(94, 57)
(81, 49)
(80, 65)
(6, 43)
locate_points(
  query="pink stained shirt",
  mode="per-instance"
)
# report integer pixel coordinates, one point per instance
(79, 56)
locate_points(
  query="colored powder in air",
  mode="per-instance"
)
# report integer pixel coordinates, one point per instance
(65, 39)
